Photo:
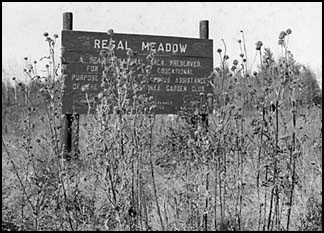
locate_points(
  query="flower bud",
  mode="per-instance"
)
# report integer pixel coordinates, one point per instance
(281, 42)
(110, 32)
(282, 35)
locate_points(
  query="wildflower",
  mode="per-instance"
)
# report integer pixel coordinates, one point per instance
(235, 62)
(110, 32)
(281, 42)
(241, 55)
(111, 46)
(103, 53)
(226, 57)
(55, 36)
(104, 85)
(153, 108)
(219, 50)
(288, 31)
(258, 45)
(45, 34)
(130, 52)
(190, 142)
(239, 41)
(100, 95)
(282, 35)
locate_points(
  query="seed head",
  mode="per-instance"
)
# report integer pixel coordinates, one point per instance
(55, 36)
(104, 53)
(235, 62)
(110, 32)
(281, 42)
(241, 55)
(258, 45)
(288, 31)
(45, 34)
(282, 35)
(130, 52)
(219, 50)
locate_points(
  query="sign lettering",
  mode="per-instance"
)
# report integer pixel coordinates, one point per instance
(180, 68)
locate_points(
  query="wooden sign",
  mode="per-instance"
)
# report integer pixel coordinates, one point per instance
(181, 67)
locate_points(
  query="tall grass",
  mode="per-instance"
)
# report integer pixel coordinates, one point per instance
(257, 167)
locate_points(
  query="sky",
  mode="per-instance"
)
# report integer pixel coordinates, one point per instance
(23, 25)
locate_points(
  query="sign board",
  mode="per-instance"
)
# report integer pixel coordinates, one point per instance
(181, 64)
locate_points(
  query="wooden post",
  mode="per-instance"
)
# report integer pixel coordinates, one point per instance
(69, 137)
(203, 113)
(68, 21)
(203, 29)
(66, 133)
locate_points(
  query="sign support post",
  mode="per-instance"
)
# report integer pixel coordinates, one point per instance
(69, 121)
(203, 112)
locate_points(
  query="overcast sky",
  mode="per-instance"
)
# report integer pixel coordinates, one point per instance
(24, 23)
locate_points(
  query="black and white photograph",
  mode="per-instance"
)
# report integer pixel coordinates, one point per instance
(161, 116)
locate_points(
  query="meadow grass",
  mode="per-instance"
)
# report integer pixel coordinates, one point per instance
(256, 167)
